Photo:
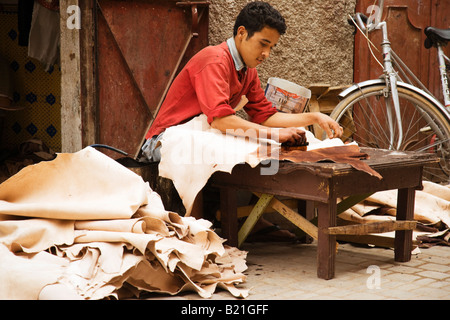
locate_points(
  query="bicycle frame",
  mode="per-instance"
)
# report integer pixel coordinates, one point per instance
(391, 83)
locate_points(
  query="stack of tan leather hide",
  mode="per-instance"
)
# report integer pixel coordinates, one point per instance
(83, 226)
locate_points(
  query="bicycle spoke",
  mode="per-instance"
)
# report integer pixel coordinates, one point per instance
(435, 144)
(364, 118)
(368, 115)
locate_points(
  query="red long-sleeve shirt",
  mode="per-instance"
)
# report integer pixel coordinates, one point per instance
(210, 84)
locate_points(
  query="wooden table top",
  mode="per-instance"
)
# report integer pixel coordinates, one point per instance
(378, 159)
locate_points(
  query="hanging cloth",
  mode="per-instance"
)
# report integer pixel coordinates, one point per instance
(44, 37)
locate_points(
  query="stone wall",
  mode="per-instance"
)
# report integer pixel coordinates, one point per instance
(318, 44)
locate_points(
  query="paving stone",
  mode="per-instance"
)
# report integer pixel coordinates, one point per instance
(436, 267)
(407, 287)
(402, 277)
(434, 275)
(440, 259)
(425, 282)
(414, 262)
(430, 293)
(403, 269)
(364, 296)
(439, 285)
(399, 293)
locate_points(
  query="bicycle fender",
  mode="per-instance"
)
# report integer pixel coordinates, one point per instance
(358, 86)
(369, 83)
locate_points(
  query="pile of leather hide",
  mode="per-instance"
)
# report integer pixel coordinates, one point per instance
(84, 226)
(431, 211)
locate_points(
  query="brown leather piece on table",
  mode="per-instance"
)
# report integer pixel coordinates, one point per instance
(349, 154)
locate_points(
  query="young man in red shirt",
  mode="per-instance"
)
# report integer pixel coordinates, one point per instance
(216, 78)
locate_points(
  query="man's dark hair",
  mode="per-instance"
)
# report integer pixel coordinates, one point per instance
(257, 15)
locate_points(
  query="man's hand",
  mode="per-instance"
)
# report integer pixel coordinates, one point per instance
(331, 127)
(291, 135)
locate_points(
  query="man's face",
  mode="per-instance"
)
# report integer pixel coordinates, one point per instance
(256, 49)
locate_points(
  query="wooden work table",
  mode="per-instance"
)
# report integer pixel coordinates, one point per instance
(321, 184)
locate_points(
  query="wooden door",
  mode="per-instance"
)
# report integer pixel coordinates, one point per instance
(140, 47)
(406, 21)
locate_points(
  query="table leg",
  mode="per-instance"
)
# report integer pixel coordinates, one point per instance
(228, 216)
(306, 209)
(253, 217)
(326, 248)
(405, 211)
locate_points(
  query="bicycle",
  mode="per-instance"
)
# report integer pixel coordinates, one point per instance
(389, 113)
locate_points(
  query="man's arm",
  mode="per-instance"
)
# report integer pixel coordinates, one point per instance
(282, 127)
(280, 119)
(235, 123)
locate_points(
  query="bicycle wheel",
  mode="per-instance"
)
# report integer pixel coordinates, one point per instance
(364, 117)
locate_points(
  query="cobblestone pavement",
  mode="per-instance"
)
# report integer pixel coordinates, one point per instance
(282, 271)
